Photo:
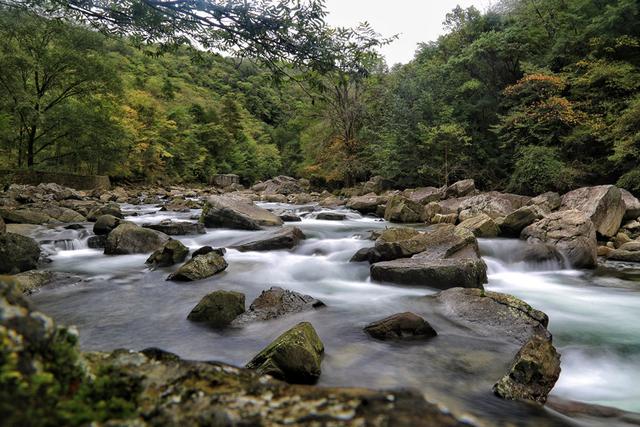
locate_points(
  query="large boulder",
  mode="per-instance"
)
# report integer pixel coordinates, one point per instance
(628, 252)
(402, 209)
(284, 238)
(402, 326)
(18, 253)
(602, 204)
(481, 226)
(26, 215)
(200, 267)
(277, 302)
(105, 224)
(547, 202)
(494, 204)
(232, 212)
(177, 228)
(129, 238)
(632, 205)
(294, 356)
(366, 204)
(536, 367)
(533, 372)
(377, 184)
(172, 252)
(424, 195)
(460, 188)
(450, 259)
(571, 232)
(516, 221)
(218, 309)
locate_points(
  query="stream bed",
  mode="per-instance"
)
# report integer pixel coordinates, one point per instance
(119, 303)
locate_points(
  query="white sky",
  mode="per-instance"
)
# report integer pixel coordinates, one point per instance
(414, 20)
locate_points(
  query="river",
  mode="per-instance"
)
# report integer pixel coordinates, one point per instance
(119, 303)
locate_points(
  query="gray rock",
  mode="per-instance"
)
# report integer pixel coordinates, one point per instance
(172, 252)
(331, 216)
(450, 259)
(602, 204)
(402, 326)
(516, 221)
(402, 209)
(571, 232)
(280, 185)
(424, 195)
(284, 238)
(108, 209)
(547, 202)
(494, 204)
(366, 204)
(129, 238)
(277, 302)
(230, 212)
(200, 267)
(30, 281)
(218, 309)
(18, 253)
(177, 228)
(632, 205)
(460, 188)
(105, 224)
(97, 242)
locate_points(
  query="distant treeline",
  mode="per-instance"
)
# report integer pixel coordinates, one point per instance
(530, 96)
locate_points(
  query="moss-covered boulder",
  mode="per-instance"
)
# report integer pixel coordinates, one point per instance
(294, 356)
(200, 267)
(403, 209)
(30, 281)
(172, 252)
(481, 226)
(218, 309)
(18, 253)
(130, 238)
(108, 209)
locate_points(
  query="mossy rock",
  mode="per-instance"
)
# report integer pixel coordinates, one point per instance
(294, 356)
(200, 267)
(172, 252)
(218, 309)
(18, 253)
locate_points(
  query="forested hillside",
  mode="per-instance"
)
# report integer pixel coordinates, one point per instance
(529, 96)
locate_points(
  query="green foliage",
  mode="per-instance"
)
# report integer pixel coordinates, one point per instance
(630, 181)
(539, 169)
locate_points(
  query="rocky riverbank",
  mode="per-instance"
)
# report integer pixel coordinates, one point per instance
(437, 248)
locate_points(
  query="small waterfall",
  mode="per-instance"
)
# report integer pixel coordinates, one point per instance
(512, 255)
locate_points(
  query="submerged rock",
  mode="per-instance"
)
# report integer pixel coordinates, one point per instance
(18, 253)
(294, 356)
(277, 302)
(571, 232)
(533, 373)
(402, 326)
(200, 267)
(172, 252)
(602, 204)
(284, 238)
(218, 309)
(230, 212)
(129, 238)
(331, 216)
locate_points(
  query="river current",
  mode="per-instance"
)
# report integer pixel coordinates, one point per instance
(119, 303)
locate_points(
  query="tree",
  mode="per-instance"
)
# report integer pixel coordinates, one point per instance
(445, 152)
(47, 66)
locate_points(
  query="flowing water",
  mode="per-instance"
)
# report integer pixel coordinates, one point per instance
(121, 304)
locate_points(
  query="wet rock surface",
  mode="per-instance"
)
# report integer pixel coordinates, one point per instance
(129, 238)
(172, 252)
(218, 309)
(284, 238)
(177, 228)
(402, 326)
(230, 212)
(18, 253)
(277, 302)
(200, 267)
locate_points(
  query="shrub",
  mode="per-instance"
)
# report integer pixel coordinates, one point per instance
(539, 169)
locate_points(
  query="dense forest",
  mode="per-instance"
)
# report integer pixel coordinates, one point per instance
(528, 96)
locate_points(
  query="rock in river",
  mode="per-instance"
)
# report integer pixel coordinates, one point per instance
(294, 356)
(232, 212)
(17, 253)
(277, 302)
(284, 238)
(172, 252)
(177, 228)
(571, 232)
(481, 225)
(200, 267)
(105, 224)
(449, 259)
(218, 309)
(403, 209)
(402, 326)
(129, 238)
(602, 204)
